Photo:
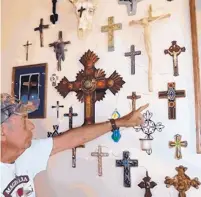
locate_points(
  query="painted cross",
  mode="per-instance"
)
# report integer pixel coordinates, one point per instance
(134, 97)
(99, 154)
(147, 184)
(127, 163)
(57, 107)
(174, 51)
(54, 16)
(110, 28)
(132, 54)
(27, 49)
(90, 85)
(81, 10)
(40, 29)
(171, 94)
(178, 144)
(59, 49)
(55, 133)
(182, 182)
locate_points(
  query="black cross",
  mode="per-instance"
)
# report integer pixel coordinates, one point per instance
(27, 49)
(81, 10)
(57, 106)
(132, 54)
(126, 162)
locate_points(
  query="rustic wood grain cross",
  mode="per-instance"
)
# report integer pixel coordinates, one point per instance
(27, 49)
(57, 107)
(134, 97)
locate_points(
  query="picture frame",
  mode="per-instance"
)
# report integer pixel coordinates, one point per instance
(30, 82)
(195, 11)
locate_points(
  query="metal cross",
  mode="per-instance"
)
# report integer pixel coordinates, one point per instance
(178, 144)
(27, 49)
(81, 10)
(99, 154)
(57, 107)
(134, 97)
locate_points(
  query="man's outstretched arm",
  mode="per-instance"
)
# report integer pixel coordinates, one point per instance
(84, 134)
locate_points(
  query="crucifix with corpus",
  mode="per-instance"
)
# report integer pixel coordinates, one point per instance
(90, 85)
(27, 49)
(146, 24)
(134, 97)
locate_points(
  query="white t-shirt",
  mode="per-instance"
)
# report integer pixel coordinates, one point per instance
(17, 178)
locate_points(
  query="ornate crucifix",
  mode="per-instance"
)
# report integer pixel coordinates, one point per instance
(146, 23)
(147, 184)
(127, 163)
(99, 154)
(54, 16)
(178, 144)
(40, 29)
(81, 10)
(134, 97)
(27, 49)
(182, 182)
(171, 94)
(59, 49)
(90, 85)
(57, 107)
(174, 51)
(132, 54)
(110, 28)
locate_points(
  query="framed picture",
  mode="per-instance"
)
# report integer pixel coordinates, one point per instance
(28, 83)
(195, 15)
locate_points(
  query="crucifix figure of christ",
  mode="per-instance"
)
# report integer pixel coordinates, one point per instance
(171, 94)
(127, 163)
(110, 28)
(147, 184)
(178, 144)
(182, 182)
(132, 54)
(90, 85)
(99, 154)
(57, 107)
(146, 24)
(40, 29)
(59, 49)
(27, 49)
(134, 97)
(174, 51)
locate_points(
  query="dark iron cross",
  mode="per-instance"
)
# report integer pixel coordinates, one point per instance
(147, 184)
(27, 49)
(57, 107)
(81, 10)
(132, 54)
(171, 94)
(54, 16)
(174, 51)
(134, 97)
(127, 163)
(40, 29)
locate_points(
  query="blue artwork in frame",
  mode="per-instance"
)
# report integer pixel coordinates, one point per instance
(30, 82)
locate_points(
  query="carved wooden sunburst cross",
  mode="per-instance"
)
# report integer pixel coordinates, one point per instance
(90, 85)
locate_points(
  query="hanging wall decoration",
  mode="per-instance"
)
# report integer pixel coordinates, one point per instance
(182, 182)
(99, 154)
(59, 49)
(146, 23)
(57, 108)
(55, 133)
(110, 28)
(54, 16)
(54, 79)
(127, 163)
(116, 135)
(172, 94)
(147, 184)
(134, 97)
(174, 51)
(90, 85)
(27, 49)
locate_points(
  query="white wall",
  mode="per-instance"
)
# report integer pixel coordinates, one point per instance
(19, 20)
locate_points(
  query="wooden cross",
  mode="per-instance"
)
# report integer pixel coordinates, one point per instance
(178, 144)
(59, 49)
(99, 154)
(171, 94)
(90, 85)
(57, 107)
(174, 51)
(110, 28)
(27, 49)
(127, 163)
(146, 23)
(134, 97)
(147, 184)
(54, 16)
(182, 182)
(81, 10)
(40, 29)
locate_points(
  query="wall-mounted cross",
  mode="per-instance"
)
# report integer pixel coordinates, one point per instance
(27, 49)
(127, 163)
(171, 94)
(81, 10)
(99, 154)
(57, 107)
(134, 97)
